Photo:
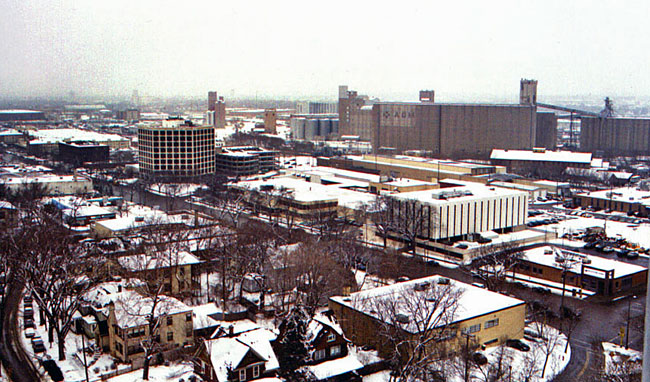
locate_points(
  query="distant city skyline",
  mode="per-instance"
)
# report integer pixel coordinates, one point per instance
(297, 50)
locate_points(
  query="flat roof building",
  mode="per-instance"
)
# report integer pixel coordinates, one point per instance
(596, 274)
(489, 317)
(20, 115)
(458, 211)
(624, 199)
(539, 161)
(176, 150)
(245, 160)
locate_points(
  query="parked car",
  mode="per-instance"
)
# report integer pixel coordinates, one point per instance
(29, 312)
(29, 332)
(517, 344)
(479, 358)
(27, 299)
(432, 263)
(37, 344)
(29, 323)
(633, 255)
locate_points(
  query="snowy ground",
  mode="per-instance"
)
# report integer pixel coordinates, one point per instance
(72, 367)
(178, 190)
(517, 364)
(619, 360)
(174, 372)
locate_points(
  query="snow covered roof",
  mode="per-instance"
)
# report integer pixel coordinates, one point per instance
(515, 186)
(18, 111)
(540, 255)
(6, 205)
(201, 316)
(132, 308)
(44, 178)
(303, 190)
(541, 156)
(137, 216)
(142, 261)
(467, 192)
(321, 321)
(227, 352)
(623, 194)
(473, 301)
(59, 135)
(328, 369)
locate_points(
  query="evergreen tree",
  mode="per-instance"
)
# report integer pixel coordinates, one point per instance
(292, 348)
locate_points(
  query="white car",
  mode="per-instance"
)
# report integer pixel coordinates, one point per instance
(29, 332)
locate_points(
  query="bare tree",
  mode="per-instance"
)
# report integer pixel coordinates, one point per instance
(56, 269)
(379, 212)
(409, 220)
(415, 323)
(319, 275)
(493, 263)
(551, 340)
(529, 367)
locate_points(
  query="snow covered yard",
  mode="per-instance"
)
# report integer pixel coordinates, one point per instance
(519, 364)
(172, 373)
(621, 361)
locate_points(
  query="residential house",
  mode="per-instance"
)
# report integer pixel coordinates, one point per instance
(240, 354)
(128, 324)
(330, 359)
(178, 272)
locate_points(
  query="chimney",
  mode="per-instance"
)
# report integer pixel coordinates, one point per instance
(231, 331)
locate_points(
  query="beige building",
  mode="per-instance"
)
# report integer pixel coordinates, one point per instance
(178, 273)
(177, 149)
(615, 136)
(447, 130)
(270, 121)
(128, 326)
(423, 169)
(489, 318)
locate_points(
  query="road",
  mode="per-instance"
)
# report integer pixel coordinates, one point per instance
(14, 359)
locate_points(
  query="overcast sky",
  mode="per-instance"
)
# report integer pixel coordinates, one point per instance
(300, 49)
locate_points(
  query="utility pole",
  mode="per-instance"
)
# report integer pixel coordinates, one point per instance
(627, 327)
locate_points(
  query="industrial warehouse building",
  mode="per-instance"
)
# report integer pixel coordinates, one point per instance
(624, 199)
(539, 161)
(176, 150)
(20, 115)
(615, 136)
(460, 210)
(583, 273)
(489, 317)
(425, 169)
(448, 130)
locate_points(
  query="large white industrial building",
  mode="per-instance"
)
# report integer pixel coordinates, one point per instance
(461, 210)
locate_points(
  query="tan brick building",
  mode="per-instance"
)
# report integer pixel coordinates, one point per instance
(489, 318)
